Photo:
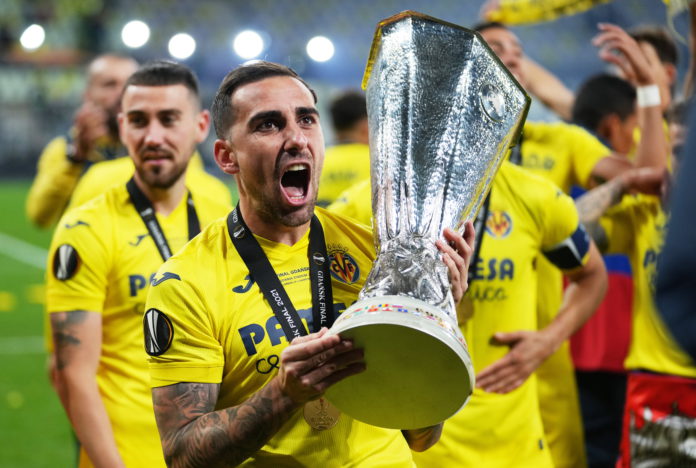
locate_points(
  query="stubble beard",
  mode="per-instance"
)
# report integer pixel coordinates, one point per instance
(159, 178)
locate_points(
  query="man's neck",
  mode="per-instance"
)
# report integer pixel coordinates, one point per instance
(276, 232)
(164, 200)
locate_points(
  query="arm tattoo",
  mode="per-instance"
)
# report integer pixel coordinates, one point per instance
(593, 204)
(193, 435)
(64, 325)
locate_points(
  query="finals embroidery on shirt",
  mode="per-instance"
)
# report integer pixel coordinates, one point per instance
(158, 332)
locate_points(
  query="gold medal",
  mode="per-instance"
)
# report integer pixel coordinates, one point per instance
(320, 414)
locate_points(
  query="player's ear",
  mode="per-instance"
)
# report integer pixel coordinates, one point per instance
(202, 125)
(225, 157)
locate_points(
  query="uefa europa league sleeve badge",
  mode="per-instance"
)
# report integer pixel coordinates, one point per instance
(443, 113)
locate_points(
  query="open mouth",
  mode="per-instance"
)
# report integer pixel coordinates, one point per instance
(295, 183)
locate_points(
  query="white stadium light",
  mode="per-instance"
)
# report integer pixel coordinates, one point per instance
(320, 49)
(182, 46)
(248, 44)
(33, 37)
(135, 34)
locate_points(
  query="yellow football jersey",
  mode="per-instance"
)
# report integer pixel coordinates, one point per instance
(107, 174)
(102, 259)
(344, 165)
(635, 227)
(566, 155)
(355, 203)
(563, 153)
(223, 331)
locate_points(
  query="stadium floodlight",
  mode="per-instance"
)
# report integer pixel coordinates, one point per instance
(248, 44)
(135, 34)
(182, 46)
(320, 49)
(33, 37)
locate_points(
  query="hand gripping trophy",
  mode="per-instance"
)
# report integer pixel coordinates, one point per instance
(443, 113)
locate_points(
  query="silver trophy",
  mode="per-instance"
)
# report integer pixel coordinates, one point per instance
(443, 113)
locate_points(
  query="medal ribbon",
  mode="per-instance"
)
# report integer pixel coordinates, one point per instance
(147, 213)
(261, 271)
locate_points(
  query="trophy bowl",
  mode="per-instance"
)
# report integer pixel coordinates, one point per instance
(443, 113)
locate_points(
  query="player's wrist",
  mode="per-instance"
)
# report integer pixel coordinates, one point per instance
(648, 95)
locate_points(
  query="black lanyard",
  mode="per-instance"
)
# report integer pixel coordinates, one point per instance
(479, 228)
(262, 272)
(147, 213)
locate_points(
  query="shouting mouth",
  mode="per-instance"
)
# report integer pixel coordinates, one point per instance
(294, 183)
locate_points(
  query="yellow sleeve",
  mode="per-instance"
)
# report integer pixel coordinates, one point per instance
(190, 352)
(535, 11)
(78, 264)
(99, 177)
(53, 185)
(587, 151)
(565, 243)
(355, 203)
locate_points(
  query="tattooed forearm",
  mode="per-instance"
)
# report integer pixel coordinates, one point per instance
(592, 205)
(194, 436)
(64, 325)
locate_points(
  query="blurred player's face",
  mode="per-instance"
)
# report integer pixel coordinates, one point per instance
(276, 150)
(508, 48)
(161, 126)
(107, 75)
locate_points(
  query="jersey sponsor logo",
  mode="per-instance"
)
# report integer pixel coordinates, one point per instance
(494, 268)
(242, 288)
(66, 262)
(498, 224)
(158, 332)
(254, 334)
(343, 267)
(76, 224)
(487, 294)
(137, 283)
(165, 276)
(138, 240)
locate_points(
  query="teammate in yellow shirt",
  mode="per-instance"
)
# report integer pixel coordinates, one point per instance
(661, 398)
(103, 257)
(501, 425)
(569, 155)
(228, 388)
(93, 138)
(347, 162)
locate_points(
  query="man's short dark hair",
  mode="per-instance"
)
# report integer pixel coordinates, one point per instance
(600, 96)
(480, 27)
(222, 111)
(659, 38)
(164, 73)
(347, 109)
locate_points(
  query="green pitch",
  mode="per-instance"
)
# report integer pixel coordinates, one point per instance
(34, 429)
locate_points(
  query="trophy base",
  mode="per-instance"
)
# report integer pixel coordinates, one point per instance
(418, 373)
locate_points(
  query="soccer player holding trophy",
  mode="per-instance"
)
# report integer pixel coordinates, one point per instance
(241, 356)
